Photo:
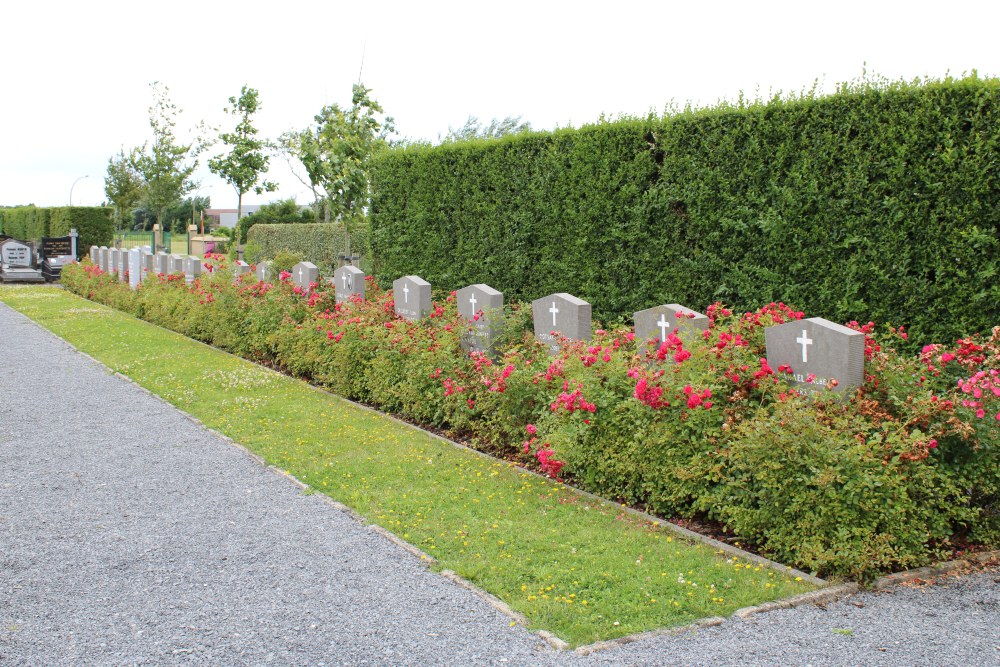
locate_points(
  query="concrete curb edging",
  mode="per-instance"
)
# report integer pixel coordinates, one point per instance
(709, 622)
(936, 570)
(822, 596)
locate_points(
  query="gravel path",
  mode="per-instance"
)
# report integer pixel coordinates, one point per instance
(130, 535)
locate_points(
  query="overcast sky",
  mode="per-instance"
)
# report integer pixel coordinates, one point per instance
(75, 76)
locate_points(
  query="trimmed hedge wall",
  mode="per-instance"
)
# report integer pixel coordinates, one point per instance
(879, 202)
(319, 243)
(31, 223)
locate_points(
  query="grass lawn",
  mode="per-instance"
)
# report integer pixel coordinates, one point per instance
(583, 570)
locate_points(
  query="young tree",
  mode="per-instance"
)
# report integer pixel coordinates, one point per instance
(168, 166)
(336, 151)
(243, 166)
(123, 184)
(303, 145)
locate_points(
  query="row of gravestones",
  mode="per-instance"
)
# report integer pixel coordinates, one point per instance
(137, 264)
(816, 350)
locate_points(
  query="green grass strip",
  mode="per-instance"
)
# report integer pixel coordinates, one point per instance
(581, 569)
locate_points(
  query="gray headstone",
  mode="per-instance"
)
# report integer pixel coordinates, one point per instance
(192, 268)
(94, 250)
(161, 263)
(175, 263)
(305, 274)
(483, 307)
(102, 258)
(658, 322)
(146, 262)
(14, 254)
(561, 313)
(264, 272)
(412, 295)
(123, 265)
(240, 268)
(348, 281)
(113, 260)
(134, 267)
(820, 348)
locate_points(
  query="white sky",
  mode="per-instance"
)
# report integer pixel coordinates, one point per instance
(75, 76)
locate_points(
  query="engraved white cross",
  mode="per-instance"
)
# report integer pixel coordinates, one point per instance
(406, 293)
(804, 341)
(553, 310)
(472, 300)
(664, 325)
(343, 278)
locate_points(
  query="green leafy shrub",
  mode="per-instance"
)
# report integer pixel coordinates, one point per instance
(320, 243)
(31, 223)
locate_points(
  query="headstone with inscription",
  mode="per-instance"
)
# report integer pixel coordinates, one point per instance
(176, 263)
(146, 262)
(348, 281)
(265, 271)
(17, 262)
(161, 263)
(823, 356)
(102, 258)
(305, 274)
(123, 265)
(483, 307)
(558, 315)
(134, 267)
(192, 269)
(412, 296)
(113, 260)
(240, 268)
(94, 253)
(660, 321)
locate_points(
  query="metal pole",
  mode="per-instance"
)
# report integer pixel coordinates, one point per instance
(74, 185)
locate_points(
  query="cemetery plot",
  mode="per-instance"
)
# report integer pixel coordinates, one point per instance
(822, 355)
(660, 321)
(122, 264)
(192, 269)
(483, 307)
(240, 268)
(134, 268)
(17, 263)
(176, 263)
(412, 296)
(348, 281)
(560, 314)
(305, 274)
(264, 272)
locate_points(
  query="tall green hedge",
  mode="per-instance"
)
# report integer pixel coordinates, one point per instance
(880, 202)
(94, 224)
(320, 243)
(31, 223)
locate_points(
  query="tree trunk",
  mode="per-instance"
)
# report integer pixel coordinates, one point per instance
(239, 217)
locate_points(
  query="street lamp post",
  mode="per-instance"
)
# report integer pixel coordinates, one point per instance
(74, 185)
